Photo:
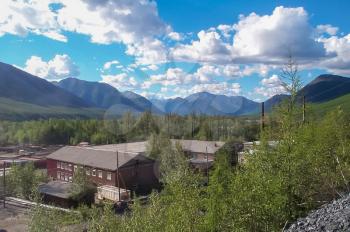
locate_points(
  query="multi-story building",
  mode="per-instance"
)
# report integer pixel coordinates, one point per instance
(127, 170)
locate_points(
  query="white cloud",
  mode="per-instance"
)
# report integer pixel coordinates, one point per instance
(23, 17)
(133, 23)
(223, 88)
(60, 67)
(110, 21)
(109, 64)
(173, 76)
(120, 81)
(327, 28)
(288, 28)
(226, 30)
(340, 64)
(175, 36)
(271, 37)
(148, 51)
(270, 86)
(209, 48)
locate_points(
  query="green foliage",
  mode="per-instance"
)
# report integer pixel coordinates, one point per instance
(23, 179)
(127, 128)
(82, 190)
(324, 108)
(155, 145)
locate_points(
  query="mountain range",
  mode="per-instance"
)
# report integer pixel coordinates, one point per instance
(72, 97)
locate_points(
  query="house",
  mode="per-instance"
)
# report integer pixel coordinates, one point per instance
(105, 166)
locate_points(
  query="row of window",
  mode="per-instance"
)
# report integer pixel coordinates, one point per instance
(64, 176)
(89, 171)
(66, 166)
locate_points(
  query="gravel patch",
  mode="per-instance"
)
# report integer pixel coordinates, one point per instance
(331, 217)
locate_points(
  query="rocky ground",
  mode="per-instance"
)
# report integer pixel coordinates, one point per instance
(334, 216)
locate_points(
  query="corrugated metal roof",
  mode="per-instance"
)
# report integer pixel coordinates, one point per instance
(198, 146)
(92, 157)
(136, 147)
(57, 188)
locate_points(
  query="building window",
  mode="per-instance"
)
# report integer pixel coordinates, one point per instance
(58, 164)
(88, 171)
(66, 178)
(58, 175)
(70, 168)
(109, 176)
(63, 166)
(70, 179)
(99, 174)
(93, 172)
(75, 168)
(62, 176)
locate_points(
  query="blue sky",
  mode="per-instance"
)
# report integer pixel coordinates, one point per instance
(163, 48)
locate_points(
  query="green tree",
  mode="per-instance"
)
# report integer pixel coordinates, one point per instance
(82, 189)
(22, 179)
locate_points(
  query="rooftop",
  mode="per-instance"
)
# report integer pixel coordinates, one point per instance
(92, 157)
(59, 189)
(196, 146)
(105, 156)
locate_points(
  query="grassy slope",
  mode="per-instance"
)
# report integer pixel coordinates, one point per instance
(343, 102)
(14, 110)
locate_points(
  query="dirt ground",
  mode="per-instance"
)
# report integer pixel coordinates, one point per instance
(13, 219)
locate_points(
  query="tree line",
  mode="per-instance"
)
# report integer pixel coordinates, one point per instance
(128, 128)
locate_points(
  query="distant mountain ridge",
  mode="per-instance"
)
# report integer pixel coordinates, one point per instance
(104, 96)
(210, 104)
(78, 97)
(20, 86)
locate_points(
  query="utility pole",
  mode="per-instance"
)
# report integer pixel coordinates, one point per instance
(4, 182)
(304, 109)
(206, 151)
(262, 115)
(168, 116)
(118, 176)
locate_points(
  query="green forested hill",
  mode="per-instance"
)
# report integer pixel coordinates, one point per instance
(15, 110)
(343, 102)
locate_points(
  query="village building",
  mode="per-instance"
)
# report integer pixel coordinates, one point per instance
(128, 170)
(123, 166)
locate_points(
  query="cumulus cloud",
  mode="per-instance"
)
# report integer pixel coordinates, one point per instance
(288, 28)
(223, 88)
(120, 81)
(133, 23)
(270, 86)
(60, 67)
(112, 21)
(209, 48)
(340, 64)
(175, 36)
(226, 30)
(109, 64)
(23, 17)
(173, 76)
(327, 28)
